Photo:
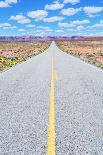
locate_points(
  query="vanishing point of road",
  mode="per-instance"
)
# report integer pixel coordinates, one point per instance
(51, 104)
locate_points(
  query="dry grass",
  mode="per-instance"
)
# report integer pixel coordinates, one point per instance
(91, 51)
(14, 52)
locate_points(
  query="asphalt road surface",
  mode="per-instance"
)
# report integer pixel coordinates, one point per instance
(51, 104)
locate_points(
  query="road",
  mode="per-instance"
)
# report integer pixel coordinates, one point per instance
(51, 104)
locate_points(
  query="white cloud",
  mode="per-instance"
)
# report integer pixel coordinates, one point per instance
(100, 25)
(24, 21)
(73, 2)
(65, 25)
(48, 30)
(11, 1)
(21, 30)
(55, 6)
(20, 19)
(6, 26)
(39, 31)
(39, 14)
(59, 31)
(44, 28)
(13, 27)
(101, 21)
(81, 22)
(74, 25)
(7, 3)
(97, 26)
(53, 19)
(70, 11)
(31, 25)
(80, 28)
(92, 11)
(44, 32)
(3, 4)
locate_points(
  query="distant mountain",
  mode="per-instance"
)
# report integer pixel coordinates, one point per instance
(46, 38)
(19, 38)
(77, 38)
(35, 38)
(97, 38)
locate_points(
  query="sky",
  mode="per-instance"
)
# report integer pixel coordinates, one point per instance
(51, 18)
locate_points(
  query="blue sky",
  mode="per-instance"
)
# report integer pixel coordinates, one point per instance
(48, 17)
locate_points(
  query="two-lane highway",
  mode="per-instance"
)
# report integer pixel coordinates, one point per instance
(51, 104)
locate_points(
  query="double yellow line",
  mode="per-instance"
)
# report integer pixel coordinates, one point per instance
(51, 127)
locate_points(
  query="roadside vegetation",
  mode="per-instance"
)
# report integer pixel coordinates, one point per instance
(90, 51)
(12, 53)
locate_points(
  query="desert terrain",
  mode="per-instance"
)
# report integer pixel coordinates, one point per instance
(88, 50)
(13, 52)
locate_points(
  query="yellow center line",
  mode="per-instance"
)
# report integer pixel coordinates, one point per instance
(51, 127)
(56, 75)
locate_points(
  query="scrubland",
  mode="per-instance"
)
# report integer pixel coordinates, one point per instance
(12, 53)
(91, 51)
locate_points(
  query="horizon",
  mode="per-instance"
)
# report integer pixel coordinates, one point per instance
(85, 36)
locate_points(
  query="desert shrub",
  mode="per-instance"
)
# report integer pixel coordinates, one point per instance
(1, 59)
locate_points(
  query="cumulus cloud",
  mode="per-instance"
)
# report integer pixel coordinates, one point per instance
(31, 25)
(70, 11)
(65, 25)
(42, 34)
(53, 19)
(54, 6)
(81, 22)
(3, 4)
(96, 26)
(21, 30)
(11, 1)
(92, 11)
(100, 25)
(44, 28)
(78, 24)
(7, 3)
(59, 31)
(20, 19)
(7, 25)
(38, 14)
(80, 28)
(73, 2)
